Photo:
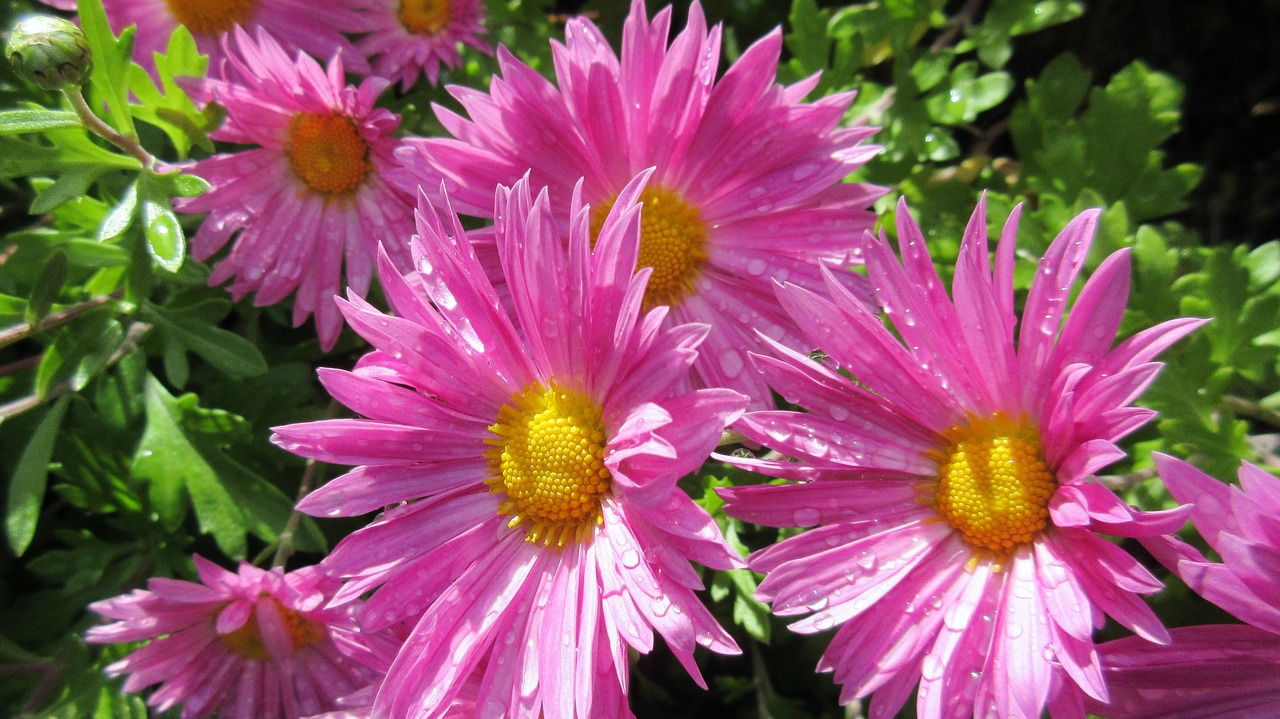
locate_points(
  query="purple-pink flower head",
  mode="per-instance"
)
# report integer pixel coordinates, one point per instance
(407, 39)
(252, 644)
(746, 186)
(528, 458)
(1223, 671)
(956, 523)
(310, 196)
(314, 28)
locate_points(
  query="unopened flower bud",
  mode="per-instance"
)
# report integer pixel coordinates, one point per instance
(49, 51)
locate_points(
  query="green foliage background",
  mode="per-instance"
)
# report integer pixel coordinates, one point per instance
(135, 400)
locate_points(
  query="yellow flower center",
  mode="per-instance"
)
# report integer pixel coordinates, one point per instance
(247, 640)
(673, 241)
(211, 17)
(993, 485)
(327, 153)
(548, 457)
(425, 17)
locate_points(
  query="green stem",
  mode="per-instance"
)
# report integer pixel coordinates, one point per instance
(1251, 409)
(30, 402)
(105, 131)
(26, 329)
(284, 545)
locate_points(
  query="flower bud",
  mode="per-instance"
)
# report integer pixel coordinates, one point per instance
(49, 51)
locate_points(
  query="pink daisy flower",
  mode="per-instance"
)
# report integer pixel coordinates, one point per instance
(315, 28)
(1230, 670)
(529, 459)
(253, 644)
(956, 524)
(410, 38)
(747, 187)
(311, 194)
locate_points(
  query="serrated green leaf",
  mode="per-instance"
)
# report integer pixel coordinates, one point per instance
(166, 105)
(30, 477)
(169, 462)
(15, 122)
(808, 40)
(111, 61)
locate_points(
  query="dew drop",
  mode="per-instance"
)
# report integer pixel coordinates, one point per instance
(931, 668)
(630, 558)
(806, 516)
(731, 364)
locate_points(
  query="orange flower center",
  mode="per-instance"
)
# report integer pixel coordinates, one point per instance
(425, 17)
(548, 458)
(327, 153)
(211, 17)
(673, 241)
(247, 640)
(993, 485)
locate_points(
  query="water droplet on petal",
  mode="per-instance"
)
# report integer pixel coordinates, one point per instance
(806, 516)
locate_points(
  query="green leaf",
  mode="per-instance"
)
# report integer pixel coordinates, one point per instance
(118, 219)
(748, 612)
(185, 185)
(16, 122)
(808, 41)
(166, 241)
(227, 351)
(111, 62)
(73, 183)
(48, 286)
(166, 105)
(168, 460)
(80, 351)
(30, 477)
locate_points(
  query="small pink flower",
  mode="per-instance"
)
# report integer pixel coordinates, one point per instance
(310, 197)
(1223, 671)
(528, 460)
(956, 526)
(410, 38)
(249, 645)
(747, 179)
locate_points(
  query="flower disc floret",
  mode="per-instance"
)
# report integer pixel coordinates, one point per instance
(993, 486)
(549, 460)
(247, 640)
(210, 17)
(425, 17)
(673, 241)
(327, 153)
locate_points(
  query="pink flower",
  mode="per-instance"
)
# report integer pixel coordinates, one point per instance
(410, 38)
(528, 460)
(315, 28)
(747, 187)
(311, 194)
(1225, 670)
(956, 524)
(249, 645)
